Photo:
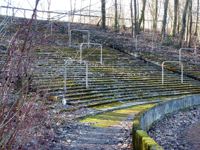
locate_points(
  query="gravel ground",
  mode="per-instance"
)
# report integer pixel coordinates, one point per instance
(178, 131)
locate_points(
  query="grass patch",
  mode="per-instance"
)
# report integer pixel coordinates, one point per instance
(100, 107)
(114, 118)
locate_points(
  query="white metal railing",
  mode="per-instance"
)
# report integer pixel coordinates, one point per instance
(187, 49)
(178, 62)
(94, 44)
(87, 32)
(65, 77)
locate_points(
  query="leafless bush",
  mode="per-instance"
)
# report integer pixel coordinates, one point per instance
(18, 110)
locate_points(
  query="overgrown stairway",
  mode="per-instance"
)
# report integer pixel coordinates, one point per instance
(115, 89)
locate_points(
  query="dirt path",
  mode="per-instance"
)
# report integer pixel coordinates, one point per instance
(80, 136)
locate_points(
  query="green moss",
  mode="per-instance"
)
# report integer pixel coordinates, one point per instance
(143, 142)
(106, 106)
(115, 117)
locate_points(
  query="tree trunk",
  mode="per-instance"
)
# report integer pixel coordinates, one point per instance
(189, 25)
(179, 20)
(49, 6)
(164, 19)
(197, 20)
(136, 20)
(103, 13)
(155, 20)
(116, 16)
(132, 22)
(176, 3)
(183, 23)
(142, 17)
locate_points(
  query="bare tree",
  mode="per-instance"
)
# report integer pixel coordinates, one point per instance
(116, 16)
(155, 15)
(164, 19)
(142, 17)
(183, 22)
(103, 13)
(15, 72)
(136, 19)
(176, 3)
(197, 19)
(189, 34)
(132, 22)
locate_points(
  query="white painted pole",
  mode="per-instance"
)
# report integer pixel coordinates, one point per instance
(181, 73)
(81, 51)
(162, 73)
(65, 77)
(101, 60)
(86, 75)
(181, 65)
(65, 83)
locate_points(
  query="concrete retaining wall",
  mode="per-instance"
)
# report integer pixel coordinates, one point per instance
(162, 109)
(143, 121)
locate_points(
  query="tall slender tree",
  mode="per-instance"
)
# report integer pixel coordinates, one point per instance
(142, 17)
(116, 16)
(189, 34)
(132, 22)
(197, 19)
(103, 13)
(164, 22)
(183, 22)
(176, 3)
(136, 18)
(155, 15)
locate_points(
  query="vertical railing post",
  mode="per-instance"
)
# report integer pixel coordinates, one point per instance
(86, 74)
(65, 77)
(180, 64)
(101, 59)
(81, 51)
(163, 73)
(65, 83)
(181, 72)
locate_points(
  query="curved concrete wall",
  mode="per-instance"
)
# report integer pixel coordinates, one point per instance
(162, 109)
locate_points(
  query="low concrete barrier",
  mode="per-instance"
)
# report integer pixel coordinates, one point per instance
(143, 121)
(162, 109)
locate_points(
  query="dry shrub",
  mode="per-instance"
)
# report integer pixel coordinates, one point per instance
(21, 117)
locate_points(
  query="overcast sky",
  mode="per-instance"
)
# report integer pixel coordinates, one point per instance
(59, 5)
